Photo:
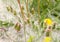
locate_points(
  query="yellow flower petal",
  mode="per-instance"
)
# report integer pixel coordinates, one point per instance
(48, 21)
(30, 39)
(47, 39)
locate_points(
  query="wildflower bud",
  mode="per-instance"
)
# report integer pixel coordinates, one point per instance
(22, 7)
(9, 8)
(54, 26)
(32, 10)
(14, 12)
(17, 27)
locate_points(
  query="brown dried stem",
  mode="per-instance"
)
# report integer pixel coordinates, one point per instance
(20, 8)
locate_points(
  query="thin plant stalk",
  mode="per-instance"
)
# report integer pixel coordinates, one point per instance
(39, 10)
(25, 32)
(22, 17)
(20, 8)
(27, 5)
(38, 6)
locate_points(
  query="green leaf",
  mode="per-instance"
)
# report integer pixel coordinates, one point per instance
(5, 24)
(1, 23)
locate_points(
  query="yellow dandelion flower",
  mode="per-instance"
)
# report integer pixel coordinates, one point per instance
(48, 21)
(47, 39)
(30, 39)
